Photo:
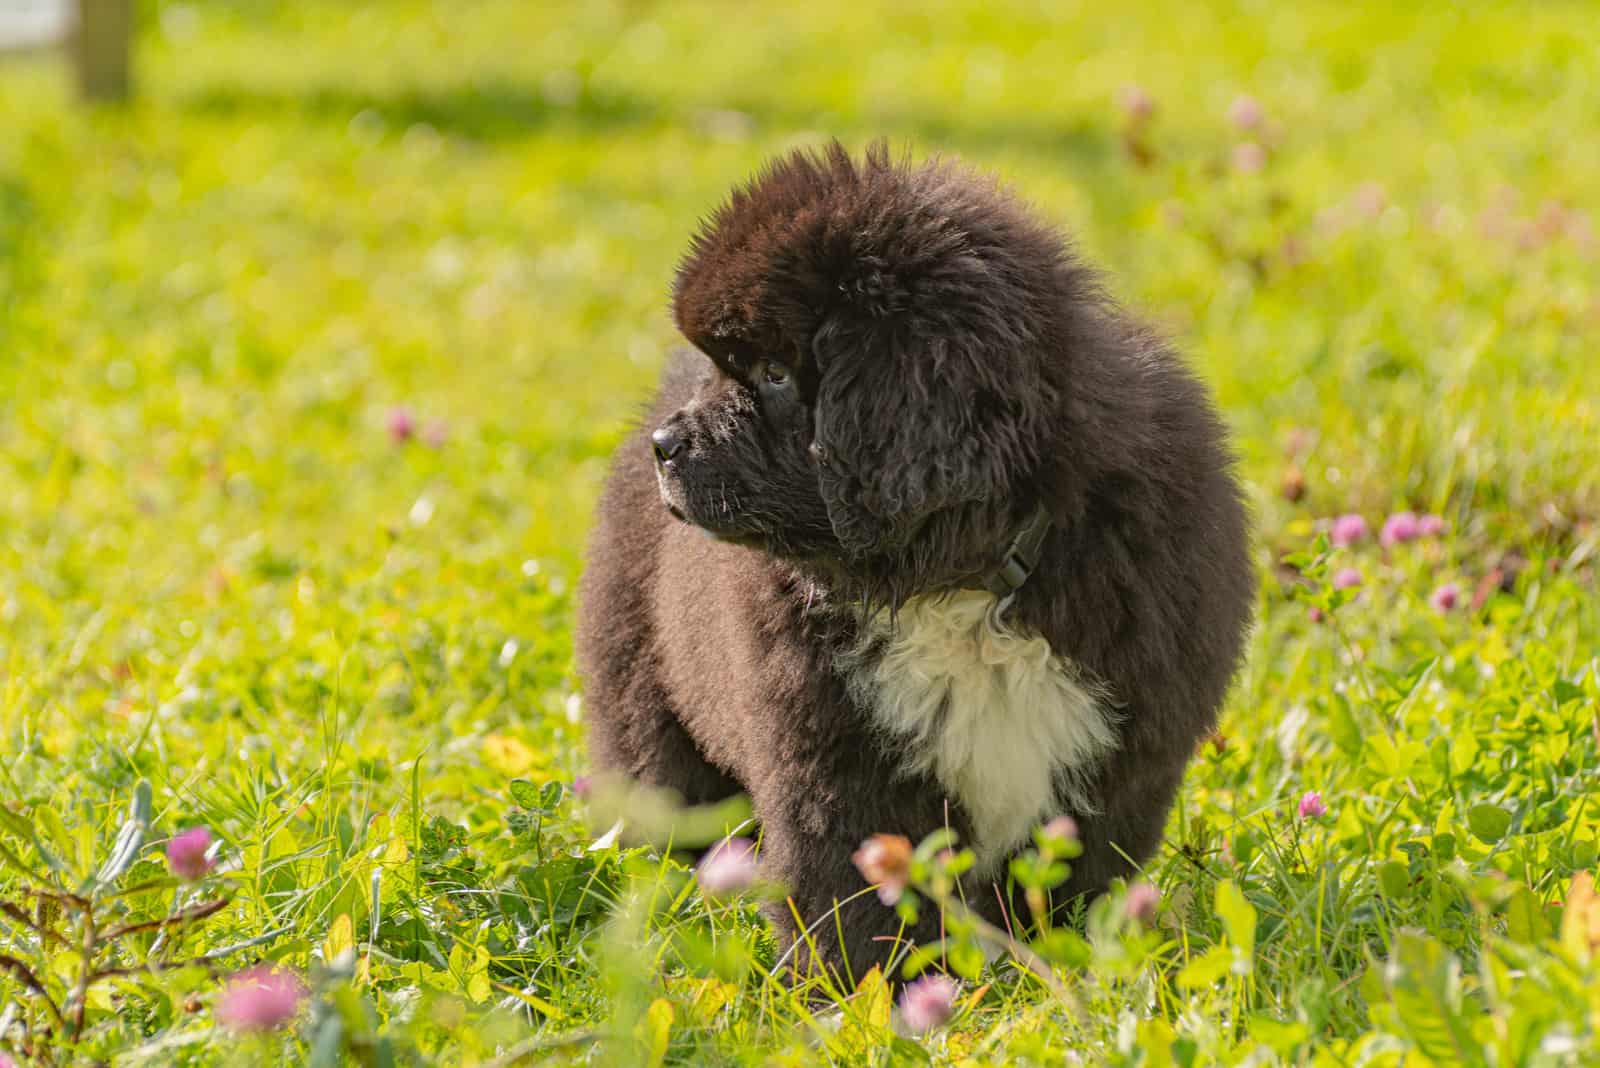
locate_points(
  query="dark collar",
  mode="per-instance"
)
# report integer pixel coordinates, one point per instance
(1021, 557)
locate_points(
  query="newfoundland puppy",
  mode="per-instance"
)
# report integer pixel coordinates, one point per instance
(925, 531)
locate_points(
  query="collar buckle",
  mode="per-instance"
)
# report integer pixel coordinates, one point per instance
(1021, 558)
(1010, 576)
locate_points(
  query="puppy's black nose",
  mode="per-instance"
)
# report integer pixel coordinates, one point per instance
(669, 442)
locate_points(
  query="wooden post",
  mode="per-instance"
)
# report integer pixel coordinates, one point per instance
(101, 46)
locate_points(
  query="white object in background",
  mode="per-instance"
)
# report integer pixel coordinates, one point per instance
(34, 23)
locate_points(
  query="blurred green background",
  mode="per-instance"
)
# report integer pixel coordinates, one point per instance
(221, 568)
(315, 211)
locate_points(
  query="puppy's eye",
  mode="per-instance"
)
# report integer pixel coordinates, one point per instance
(775, 374)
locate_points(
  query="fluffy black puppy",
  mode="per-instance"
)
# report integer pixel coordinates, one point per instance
(928, 532)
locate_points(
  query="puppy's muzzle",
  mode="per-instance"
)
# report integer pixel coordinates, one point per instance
(669, 441)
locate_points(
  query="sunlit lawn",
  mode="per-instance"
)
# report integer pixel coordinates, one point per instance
(222, 571)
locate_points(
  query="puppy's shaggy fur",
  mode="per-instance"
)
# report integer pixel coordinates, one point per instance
(788, 587)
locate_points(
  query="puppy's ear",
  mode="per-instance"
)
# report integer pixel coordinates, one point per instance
(907, 426)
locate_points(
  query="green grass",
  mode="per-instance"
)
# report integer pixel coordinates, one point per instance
(218, 574)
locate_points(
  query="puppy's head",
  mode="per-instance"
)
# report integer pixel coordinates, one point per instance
(876, 391)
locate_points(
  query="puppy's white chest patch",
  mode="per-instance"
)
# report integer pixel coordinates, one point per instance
(1008, 728)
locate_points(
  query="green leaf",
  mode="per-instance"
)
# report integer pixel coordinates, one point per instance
(921, 958)
(525, 793)
(966, 960)
(905, 1051)
(1525, 919)
(16, 862)
(1565, 691)
(459, 965)
(1342, 726)
(1065, 947)
(1383, 756)
(657, 1026)
(15, 823)
(327, 1043)
(341, 938)
(22, 828)
(1439, 755)
(1406, 685)
(130, 839)
(1395, 879)
(1424, 985)
(1281, 1035)
(1463, 752)
(140, 806)
(943, 838)
(1207, 968)
(1238, 917)
(1489, 823)
(1155, 1040)
(478, 985)
(54, 830)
